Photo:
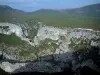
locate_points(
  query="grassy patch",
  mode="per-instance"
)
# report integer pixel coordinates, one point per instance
(65, 20)
(56, 19)
(10, 39)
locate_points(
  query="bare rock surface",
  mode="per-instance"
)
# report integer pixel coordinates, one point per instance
(49, 49)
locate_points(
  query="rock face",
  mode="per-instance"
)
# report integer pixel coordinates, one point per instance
(49, 49)
(9, 28)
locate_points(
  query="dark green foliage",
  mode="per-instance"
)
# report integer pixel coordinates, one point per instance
(10, 39)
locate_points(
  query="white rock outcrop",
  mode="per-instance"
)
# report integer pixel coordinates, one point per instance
(12, 29)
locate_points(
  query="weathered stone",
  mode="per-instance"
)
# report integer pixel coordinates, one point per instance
(53, 47)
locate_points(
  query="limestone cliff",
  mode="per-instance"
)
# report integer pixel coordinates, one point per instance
(47, 48)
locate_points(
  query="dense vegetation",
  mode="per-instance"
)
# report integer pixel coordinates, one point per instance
(10, 39)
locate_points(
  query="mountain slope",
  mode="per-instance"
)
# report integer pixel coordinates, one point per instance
(84, 17)
(9, 14)
(89, 10)
(5, 8)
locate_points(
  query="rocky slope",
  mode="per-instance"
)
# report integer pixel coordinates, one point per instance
(49, 49)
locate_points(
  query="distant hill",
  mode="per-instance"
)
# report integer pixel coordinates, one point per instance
(86, 17)
(89, 10)
(5, 8)
(7, 13)
(47, 10)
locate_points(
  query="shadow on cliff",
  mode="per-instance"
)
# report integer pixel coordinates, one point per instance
(84, 71)
(65, 66)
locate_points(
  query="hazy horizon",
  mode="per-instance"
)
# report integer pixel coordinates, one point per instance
(33, 5)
